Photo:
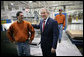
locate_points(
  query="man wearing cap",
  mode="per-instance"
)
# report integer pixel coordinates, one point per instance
(60, 18)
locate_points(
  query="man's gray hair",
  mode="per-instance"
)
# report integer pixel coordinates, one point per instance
(46, 10)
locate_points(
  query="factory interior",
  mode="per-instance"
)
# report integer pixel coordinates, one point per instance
(72, 37)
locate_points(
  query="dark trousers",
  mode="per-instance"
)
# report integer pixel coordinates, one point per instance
(47, 52)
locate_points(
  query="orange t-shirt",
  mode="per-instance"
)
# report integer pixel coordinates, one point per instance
(60, 19)
(19, 32)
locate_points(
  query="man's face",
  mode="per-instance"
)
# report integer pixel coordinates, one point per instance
(60, 12)
(44, 14)
(20, 17)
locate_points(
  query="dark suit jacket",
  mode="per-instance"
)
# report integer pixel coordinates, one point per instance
(50, 35)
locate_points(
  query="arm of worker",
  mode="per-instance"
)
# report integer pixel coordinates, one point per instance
(55, 36)
(64, 23)
(10, 33)
(36, 26)
(32, 31)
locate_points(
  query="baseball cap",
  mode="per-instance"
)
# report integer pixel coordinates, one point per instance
(60, 9)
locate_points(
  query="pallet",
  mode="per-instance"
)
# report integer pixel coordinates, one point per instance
(76, 36)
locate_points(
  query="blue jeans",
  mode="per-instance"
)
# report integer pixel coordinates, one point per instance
(60, 31)
(23, 49)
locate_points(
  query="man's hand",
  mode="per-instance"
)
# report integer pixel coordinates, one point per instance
(53, 50)
(30, 41)
(63, 28)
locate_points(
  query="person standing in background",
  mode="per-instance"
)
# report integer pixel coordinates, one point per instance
(69, 19)
(60, 18)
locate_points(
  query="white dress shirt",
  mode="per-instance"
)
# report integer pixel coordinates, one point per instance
(45, 22)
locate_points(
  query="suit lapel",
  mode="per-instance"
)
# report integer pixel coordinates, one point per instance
(41, 25)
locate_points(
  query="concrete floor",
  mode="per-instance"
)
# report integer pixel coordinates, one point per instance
(66, 48)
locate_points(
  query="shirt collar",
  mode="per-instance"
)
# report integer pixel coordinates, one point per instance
(46, 19)
(20, 22)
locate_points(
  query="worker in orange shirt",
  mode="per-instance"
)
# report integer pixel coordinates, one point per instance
(60, 18)
(18, 33)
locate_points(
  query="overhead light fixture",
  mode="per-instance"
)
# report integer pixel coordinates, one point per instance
(30, 1)
(12, 4)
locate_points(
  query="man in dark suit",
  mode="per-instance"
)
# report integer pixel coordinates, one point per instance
(49, 33)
